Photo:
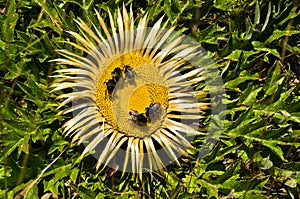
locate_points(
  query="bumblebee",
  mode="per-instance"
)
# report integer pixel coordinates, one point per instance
(110, 86)
(153, 111)
(129, 72)
(138, 118)
(116, 74)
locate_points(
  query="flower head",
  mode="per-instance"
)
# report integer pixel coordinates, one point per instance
(134, 101)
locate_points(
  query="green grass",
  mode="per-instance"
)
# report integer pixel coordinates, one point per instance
(256, 45)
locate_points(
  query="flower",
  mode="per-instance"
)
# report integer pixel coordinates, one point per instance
(134, 101)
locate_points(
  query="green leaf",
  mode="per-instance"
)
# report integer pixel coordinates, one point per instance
(167, 8)
(232, 182)
(272, 144)
(291, 182)
(212, 190)
(225, 5)
(15, 70)
(2, 45)
(74, 174)
(12, 145)
(277, 34)
(281, 103)
(292, 13)
(266, 163)
(244, 76)
(250, 194)
(257, 14)
(87, 4)
(192, 183)
(32, 193)
(51, 12)
(211, 34)
(262, 47)
(235, 55)
(249, 29)
(10, 21)
(251, 98)
(272, 80)
(267, 17)
(33, 92)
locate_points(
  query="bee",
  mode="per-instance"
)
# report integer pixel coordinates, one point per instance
(110, 85)
(138, 118)
(129, 73)
(116, 74)
(153, 111)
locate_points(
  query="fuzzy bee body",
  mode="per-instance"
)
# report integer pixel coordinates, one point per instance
(110, 86)
(138, 118)
(153, 111)
(129, 73)
(117, 74)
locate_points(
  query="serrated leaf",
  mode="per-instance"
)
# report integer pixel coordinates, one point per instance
(87, 4)
(192, 183)
(250, 194)
(211, 34)
(234, 55)
(167, 9)
(23, 36)
(59, 172)
(51, 12)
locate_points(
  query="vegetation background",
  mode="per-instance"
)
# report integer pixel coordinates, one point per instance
(256, 45)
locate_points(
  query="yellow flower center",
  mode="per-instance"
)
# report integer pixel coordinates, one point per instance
(137, 91)
(148, 94)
